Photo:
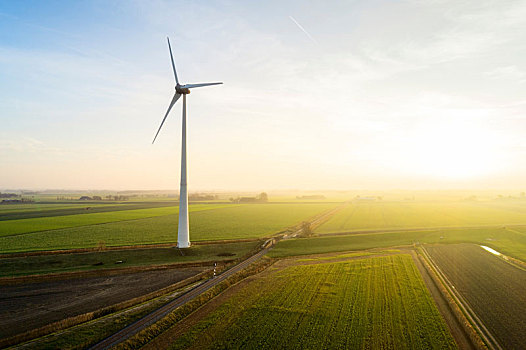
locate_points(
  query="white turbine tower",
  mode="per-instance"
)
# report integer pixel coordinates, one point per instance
(183, 235)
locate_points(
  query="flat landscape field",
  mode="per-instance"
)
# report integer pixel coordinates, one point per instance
(493, 288)
(40, 210)
(376, 303)
(509, 241)
(365, 215)
(27, 306)
(151, 225)
(87, 218)
(126, 258)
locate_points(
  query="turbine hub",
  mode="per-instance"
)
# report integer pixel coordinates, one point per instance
(181, 90)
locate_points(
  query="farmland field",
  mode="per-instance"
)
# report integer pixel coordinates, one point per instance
(391, 215)
(509, 241)
(38, 210)
(16, 227)
(372, 303)
(494, 289)
(150, 226)
(54, 263)
(31, 305)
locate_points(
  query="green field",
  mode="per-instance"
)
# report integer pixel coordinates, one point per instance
(509, 241)
(372, 303)
(150, 226)
(494, 289)
(16, 227)
(39, 210)
(408, 214)
(42, 264)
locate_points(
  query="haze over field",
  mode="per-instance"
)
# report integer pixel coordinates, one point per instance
(364, 94)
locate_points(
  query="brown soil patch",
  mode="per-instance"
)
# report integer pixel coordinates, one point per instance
(27, 306)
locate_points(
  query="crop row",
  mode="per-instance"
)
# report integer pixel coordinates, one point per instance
(17, 227)
(38, 210)
(509, 241)
(493, 288)
(225, 222)
(374, 215)
(367, 303)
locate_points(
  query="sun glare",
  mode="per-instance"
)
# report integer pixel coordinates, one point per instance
(452, 150)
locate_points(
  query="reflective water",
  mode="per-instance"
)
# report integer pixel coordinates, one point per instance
(491, 250)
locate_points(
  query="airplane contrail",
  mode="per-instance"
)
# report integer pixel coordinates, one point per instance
(303, 30)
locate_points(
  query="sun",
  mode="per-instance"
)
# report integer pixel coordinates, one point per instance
(455, 150)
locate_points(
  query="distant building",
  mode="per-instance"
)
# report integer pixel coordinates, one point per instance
(201, 197)
(8, 195)
(247, 200)
(7, 201)
(14, 201)
(366, 199)
(260, 198)
(311, 197)
(85, 198)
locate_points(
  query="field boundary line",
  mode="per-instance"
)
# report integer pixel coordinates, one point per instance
(93, 209)
(472, 317)
(412, 229)
(515, 231)
(104, 272)
(122, 247)
(35, 278)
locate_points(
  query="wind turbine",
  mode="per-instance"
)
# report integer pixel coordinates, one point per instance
(183, 235)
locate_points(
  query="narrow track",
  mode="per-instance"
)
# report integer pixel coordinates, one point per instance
(163, 311)
(160, 313)
(316, 221)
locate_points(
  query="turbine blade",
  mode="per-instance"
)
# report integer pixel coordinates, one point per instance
(191, 86)
(173, 63)
(174, 100)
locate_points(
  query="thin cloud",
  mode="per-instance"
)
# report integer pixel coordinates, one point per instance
(303, 30)
(511, 73)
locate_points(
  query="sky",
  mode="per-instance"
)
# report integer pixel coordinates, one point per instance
(425, 94)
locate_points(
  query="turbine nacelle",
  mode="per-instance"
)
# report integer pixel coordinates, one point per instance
(182, 90)
(183, 234)
(179, 90)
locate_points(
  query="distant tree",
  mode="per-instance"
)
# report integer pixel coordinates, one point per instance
(262, 197)
(306, 229)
